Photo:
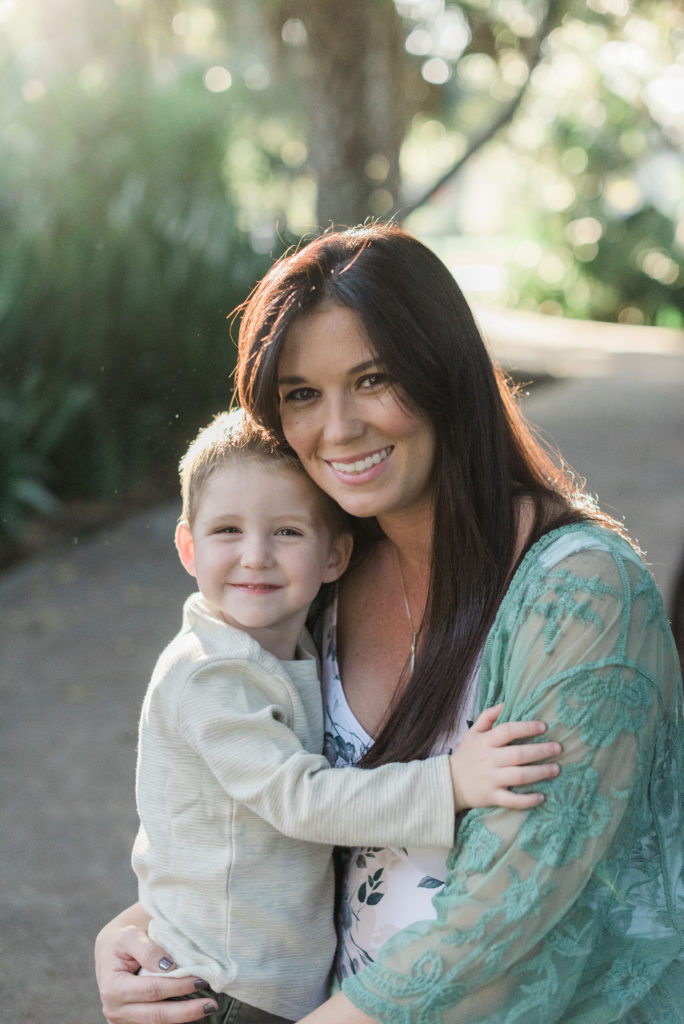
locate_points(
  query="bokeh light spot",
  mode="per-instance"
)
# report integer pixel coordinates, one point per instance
(584, 231)
(436, 71)
(476, 71)
(33, 89)
(381, 201)
(558, 196)
(552, 268)
(575, 160)
(180, 24)
(419, 42)
(550, 308)
(659, 266)
(514, 69)
(218, 79)
(623, 196)
(257, 77)
(293, 152)
(377, 167)
(528, 253)
(294, 32)
(630, 315)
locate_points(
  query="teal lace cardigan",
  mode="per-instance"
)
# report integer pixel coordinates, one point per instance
(571, 912)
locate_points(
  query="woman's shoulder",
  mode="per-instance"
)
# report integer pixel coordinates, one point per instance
(582, 604)
(584, 568)
(586, 584)
(583, 549)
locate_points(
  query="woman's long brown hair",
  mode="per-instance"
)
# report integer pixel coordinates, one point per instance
(487, 457)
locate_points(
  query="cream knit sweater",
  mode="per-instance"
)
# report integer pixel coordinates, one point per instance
(239, 811)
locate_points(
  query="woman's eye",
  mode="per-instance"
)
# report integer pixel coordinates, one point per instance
(299, 395)
(374, 380)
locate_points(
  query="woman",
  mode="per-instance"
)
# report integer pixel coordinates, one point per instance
(481, 575)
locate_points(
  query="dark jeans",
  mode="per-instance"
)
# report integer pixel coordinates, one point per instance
(232, 1011)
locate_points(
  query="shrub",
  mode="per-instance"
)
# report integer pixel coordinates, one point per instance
(121, 260)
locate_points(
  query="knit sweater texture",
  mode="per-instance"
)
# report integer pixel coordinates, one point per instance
(239, 811)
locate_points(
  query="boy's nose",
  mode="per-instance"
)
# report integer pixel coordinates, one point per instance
(256, 554)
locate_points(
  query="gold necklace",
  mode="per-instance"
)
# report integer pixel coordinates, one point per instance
(412, 657)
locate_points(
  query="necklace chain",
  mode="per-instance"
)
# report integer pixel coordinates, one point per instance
(412, 657)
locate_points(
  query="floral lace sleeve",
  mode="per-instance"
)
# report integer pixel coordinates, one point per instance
(572, 911)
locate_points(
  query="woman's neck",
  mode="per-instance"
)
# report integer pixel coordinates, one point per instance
(411, 534)
(406, 560)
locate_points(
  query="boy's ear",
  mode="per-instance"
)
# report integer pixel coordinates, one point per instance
(340, 553)
(185, 547)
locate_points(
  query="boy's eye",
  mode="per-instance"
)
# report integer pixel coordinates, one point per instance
(228, 529)
(289, 531)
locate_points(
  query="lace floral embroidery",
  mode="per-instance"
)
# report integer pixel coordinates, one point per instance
(617, 691)
(574, 910)
(572, 813)
(564, 585)
(475, 848)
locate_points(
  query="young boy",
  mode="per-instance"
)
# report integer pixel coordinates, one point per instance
(238, 810)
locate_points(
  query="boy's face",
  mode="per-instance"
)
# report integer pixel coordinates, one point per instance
(260, 547)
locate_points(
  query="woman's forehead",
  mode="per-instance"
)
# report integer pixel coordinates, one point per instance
(331, 336)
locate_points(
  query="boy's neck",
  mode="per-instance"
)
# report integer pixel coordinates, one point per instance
(282, 647)
(280, 641)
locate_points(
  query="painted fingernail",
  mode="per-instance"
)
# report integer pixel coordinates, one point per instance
(199, 983)
(165, 964)
(209, 1008)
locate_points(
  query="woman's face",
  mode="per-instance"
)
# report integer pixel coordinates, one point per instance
(354, 431)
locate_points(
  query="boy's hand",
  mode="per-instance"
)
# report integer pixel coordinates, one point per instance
(485, 765)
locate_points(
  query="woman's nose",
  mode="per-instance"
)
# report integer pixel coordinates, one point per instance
(342, 422)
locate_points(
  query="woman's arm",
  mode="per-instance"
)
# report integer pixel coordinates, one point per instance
(121, 949)
(338, 1010)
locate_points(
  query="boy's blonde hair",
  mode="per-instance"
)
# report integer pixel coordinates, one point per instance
(233, 435)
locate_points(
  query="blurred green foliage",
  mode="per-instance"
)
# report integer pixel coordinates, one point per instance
(156, 154)
(121, 261)
(576, 206)
(34, 419)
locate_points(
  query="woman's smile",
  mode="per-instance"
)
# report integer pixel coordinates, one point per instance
(357, 466)
(352, 426)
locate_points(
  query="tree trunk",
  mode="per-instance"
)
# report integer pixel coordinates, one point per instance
(358, 115)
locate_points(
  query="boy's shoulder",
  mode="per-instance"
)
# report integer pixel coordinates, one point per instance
(203, 638)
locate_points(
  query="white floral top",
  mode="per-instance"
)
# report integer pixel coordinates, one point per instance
(384, 889)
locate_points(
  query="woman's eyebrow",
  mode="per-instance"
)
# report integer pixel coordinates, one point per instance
(359, 368)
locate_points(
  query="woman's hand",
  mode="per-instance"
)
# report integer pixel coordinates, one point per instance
(485, 764)
(121, 949)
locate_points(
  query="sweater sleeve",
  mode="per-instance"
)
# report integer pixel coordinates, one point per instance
(585, 647)
(229, 716)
